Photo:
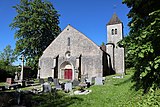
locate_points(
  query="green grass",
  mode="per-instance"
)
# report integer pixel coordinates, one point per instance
(116, 92)
(2, 83)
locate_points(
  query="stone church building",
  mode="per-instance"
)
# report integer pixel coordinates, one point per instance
(73, 55)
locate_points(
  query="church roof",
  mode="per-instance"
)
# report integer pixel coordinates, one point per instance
(114, 20)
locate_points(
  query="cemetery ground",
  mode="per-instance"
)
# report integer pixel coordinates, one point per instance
(116, 92)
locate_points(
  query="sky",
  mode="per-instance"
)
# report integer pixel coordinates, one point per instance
(88, 16)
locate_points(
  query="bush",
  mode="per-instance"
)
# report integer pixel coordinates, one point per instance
(150, 100)
(7, 99)
(7, 72)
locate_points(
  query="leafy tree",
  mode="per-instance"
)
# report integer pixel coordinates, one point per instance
(129, 62)
(8, 56)
(37, 26)
(143, 42)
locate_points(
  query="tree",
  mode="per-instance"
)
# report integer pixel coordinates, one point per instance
(143, 42)
(37, 26)
(8, 56)
(129, 62)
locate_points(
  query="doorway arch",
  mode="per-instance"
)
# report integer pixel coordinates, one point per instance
(67, 70)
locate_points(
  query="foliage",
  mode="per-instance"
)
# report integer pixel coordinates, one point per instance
(37, 26)
(5, 100)
(7, 72)
(143, 42)
(129, 62)
(150, 100)
(8, 56)
(103, 44)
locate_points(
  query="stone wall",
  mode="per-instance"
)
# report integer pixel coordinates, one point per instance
(117, 54)
(79, 44)
(119, 60)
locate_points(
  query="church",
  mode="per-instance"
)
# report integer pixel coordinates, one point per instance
(72, 55)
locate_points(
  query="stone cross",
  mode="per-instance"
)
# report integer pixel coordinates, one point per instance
(22, 58)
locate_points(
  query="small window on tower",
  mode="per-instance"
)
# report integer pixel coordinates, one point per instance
(115, 31)
(68, 41)
(112, 32)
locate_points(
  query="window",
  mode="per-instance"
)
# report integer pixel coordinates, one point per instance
(68, 41)
(115, 31)
(112, 32)
(68, 54)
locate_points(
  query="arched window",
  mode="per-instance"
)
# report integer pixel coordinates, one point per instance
(115, 31)
(68, 41)
(112, 32)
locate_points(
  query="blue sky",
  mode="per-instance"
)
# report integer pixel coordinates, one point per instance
(88, 16)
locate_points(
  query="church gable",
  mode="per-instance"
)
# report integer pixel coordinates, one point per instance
(73, 41)
(73, 56)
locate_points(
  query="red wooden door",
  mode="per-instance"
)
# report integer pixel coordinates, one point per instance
(68, 74)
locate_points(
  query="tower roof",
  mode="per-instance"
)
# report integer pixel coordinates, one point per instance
(114, 20)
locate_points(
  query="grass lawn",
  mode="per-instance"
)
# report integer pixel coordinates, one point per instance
(116, 92)
(2, 83)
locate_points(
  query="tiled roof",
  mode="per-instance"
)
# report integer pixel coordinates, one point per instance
(114, 20)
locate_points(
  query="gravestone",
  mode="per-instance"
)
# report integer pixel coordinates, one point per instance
(56, 81)
(68, 87)
(83, 78)
(93, 80)
(75, 83)
(50, 79)
(12, 86)
(46, 87)
(41, 81)
(9, 80)
(98, 81)
(29, 83)
(58, 87)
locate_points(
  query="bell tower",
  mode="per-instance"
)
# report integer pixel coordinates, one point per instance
(114, 35)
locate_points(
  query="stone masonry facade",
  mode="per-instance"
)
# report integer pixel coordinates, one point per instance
(72, 55)
(85, 57)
